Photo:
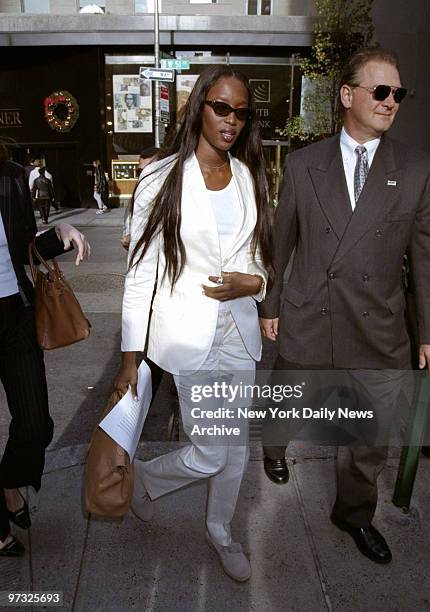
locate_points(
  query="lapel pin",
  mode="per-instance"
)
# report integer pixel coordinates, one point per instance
(392, 183)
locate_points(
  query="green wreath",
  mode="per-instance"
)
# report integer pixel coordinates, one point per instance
(61, 111)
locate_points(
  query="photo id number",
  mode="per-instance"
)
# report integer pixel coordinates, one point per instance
(31, 598)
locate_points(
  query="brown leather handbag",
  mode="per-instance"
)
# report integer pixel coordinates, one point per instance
(108, 472)
(59, 317)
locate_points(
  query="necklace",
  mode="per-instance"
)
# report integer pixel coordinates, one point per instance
(213, 167)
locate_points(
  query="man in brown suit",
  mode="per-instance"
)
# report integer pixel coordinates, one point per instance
(350, 207)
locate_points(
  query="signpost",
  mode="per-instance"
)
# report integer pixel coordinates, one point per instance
(157, 65)
(164, 103)
(157, 74)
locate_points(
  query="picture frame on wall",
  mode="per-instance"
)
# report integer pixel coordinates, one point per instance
(132, 103)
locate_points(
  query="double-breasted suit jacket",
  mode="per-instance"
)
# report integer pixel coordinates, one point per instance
(183, 320)
(17, 213)
(343, 304)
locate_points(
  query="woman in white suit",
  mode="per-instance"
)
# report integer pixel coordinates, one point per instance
(200, 234)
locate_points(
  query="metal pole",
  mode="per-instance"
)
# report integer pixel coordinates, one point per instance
(157, 65)
(411, 453)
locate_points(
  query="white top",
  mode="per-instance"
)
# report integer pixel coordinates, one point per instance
(226, 207)
(349, 157)
(34, 174)
(8, 280)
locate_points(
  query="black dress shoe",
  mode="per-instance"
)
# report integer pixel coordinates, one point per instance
(21, 517)
(426, 451)
(367, 539)
(13, 549)
(277, 470)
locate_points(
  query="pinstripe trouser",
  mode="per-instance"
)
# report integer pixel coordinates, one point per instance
(22, 373)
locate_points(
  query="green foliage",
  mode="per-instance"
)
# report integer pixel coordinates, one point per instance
(296, 128)
(345, 27)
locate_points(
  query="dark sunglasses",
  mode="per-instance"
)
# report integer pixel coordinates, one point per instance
(221, 109)
(381, 92)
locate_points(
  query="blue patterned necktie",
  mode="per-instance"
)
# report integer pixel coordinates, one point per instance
(361, 170)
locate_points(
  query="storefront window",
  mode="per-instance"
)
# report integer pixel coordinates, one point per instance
(146, 6)
(259, 7)
(266, 7)
(36, 6)
(90, 3)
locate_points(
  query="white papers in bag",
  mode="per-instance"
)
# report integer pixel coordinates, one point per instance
(124, 423)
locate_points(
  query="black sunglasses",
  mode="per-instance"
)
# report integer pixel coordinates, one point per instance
(381, 92)
(222, 109)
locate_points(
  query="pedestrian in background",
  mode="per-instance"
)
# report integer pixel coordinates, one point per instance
(34, 174)
(43, 195)
(201, 218)
(31, 166)
(101, 187)
(22, 371)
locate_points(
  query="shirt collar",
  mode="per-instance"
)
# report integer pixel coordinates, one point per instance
(349, 144)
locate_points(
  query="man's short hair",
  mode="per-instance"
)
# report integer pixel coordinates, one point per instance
(361, 58)
(358, 60)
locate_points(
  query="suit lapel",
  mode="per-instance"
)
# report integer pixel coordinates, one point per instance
(246, 197)
(331, 190)
(374, 200)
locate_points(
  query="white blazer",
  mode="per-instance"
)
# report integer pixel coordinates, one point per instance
(183, 322)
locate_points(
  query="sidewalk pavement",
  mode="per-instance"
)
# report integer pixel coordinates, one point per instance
(300, 561)
(85, 217)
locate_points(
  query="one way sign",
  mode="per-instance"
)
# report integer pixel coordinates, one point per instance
(156, 74)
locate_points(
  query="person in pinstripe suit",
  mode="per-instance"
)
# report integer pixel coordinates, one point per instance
(22, 370)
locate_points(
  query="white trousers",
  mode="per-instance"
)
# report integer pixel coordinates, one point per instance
(222, 466)
(98, 199)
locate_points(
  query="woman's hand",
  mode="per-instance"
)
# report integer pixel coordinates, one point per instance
(67, 234)
(127, 375)
(234, 285)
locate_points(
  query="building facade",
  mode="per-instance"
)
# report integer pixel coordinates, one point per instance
(88, 63)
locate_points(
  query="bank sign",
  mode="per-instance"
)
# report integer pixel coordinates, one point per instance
(271, 88)
(10, 118)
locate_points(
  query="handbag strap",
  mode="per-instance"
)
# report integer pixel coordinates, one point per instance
(33, 250)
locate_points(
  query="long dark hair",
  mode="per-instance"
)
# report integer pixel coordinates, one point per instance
(165, 215)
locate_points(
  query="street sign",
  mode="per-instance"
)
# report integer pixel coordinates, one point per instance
(164, 103)
(156, 74)
(175, 64)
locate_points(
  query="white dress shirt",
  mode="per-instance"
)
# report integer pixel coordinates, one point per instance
(349, 157)
(8, 280)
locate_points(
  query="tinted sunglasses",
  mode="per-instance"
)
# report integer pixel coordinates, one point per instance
(381, 92)
(221, 109)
